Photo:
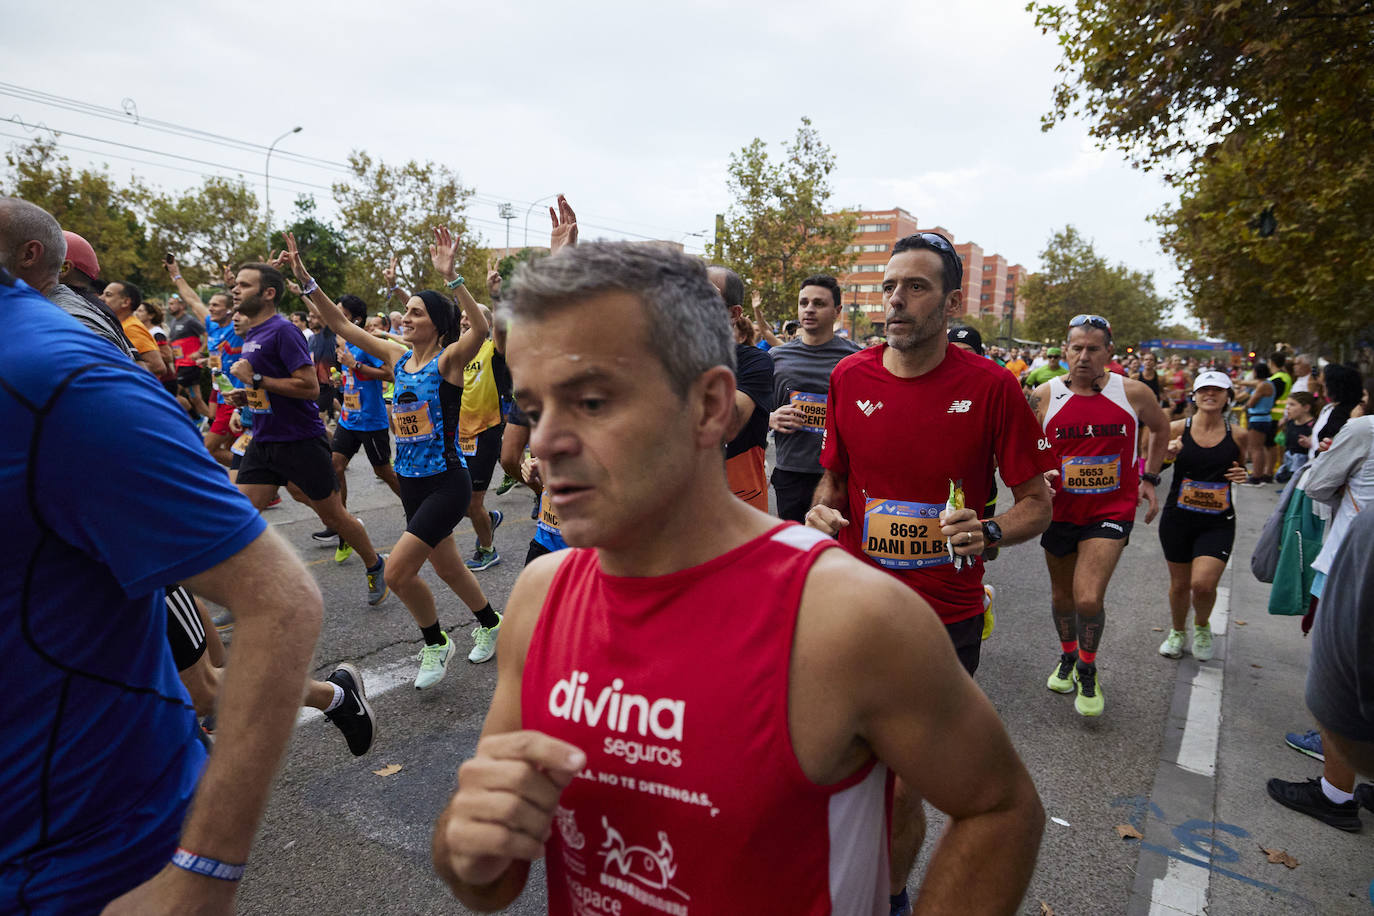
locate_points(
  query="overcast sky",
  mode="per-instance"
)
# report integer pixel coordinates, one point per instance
(630, 108)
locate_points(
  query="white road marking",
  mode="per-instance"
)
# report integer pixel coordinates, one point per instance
(1197, 753)
(1183, 889)
(1221, 613)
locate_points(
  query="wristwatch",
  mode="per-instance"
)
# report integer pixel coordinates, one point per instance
(257, 380)
(1149, 478)
(992, 533)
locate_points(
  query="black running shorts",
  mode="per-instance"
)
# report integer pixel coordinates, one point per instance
(967, 636)
(434, 505)
(189, 377)
(185, 632)
(1061, 538)
(376, 443)
(793, 492)
(1186, 535)
(482, 464)
(304, 462)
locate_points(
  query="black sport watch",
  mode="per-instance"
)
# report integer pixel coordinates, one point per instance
(992, 533)
(257, 380)
(1152, 479)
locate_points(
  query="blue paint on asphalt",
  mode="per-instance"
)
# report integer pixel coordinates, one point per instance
(1203, 863)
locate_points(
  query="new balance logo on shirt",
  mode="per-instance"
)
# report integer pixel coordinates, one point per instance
(868, 407)
(959, 407)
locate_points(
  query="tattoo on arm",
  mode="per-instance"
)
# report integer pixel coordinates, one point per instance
(1035, 402)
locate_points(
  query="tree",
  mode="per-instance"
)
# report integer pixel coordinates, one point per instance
(86, 202)
(776, 231)
(1076, 280)
(322, 247)
(1258, 111)
(208, 227)
(392, 210)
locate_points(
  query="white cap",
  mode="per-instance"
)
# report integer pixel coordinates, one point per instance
(1212, 379)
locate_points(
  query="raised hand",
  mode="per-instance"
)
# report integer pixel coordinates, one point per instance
(564, 225)
(292, 256)
(494, 277)
(229, 275)
(444, 252)
(293, 287)
(389, 274)
(173, 269)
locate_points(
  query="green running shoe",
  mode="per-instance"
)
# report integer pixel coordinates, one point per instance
(506, 483)
(1202, 643)
(376, 582)
(1061, 678)
(434, 663)
(1089, 700)
(343, 552)
(484, 639)
(1172, 647)
(483, 558)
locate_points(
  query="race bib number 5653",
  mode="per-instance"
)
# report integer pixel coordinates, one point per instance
(1085, 474)
(904, 535)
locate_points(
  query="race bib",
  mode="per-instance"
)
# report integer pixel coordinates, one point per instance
(812, 407)
(1202, 496)
(352, 401)
(548, 518)
(240, 446)
(214, 362)
(177, 352)
(412, 422)
(904, 535)
(1084, 474)
(257, 400)
(467, 445)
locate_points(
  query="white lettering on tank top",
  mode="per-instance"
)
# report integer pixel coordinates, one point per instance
(623, 712)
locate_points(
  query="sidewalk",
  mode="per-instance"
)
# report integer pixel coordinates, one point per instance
(1209, 815)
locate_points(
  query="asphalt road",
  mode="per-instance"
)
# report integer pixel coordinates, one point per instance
(1181, 753)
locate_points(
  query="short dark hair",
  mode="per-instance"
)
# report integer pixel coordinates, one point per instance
(952, 267)
(1278, 360)
(131, 292)
(791, 327)
(268, 278)
(355, 307)
(829, 283)
(302, 314)
(734, 286)
(1261, 370)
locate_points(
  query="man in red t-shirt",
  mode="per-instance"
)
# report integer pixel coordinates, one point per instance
(687, 688)
(904, 421)
(1092, 419)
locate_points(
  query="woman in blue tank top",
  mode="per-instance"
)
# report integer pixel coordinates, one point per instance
(1259, 433)
(434, 482)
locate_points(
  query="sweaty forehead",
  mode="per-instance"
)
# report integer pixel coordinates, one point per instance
(911, 265)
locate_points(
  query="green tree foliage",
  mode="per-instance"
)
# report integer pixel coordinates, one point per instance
(1075, 279)
(217, 223)
(86, 202)
(1258, 111)
(776, 231)
(392, 210)
(322, 246)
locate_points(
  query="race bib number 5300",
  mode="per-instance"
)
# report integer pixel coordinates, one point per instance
(1086, 475)
(904, 535)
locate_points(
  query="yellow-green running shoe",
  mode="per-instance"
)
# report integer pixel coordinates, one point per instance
(1089, 699)
(1061, 678)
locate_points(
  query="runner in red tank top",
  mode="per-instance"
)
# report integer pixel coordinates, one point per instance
(641, 736)
(1092, 419)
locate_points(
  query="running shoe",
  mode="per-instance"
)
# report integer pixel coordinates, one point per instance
(1252, 481)
(1309, 743)
(989, 618)
(1202, 643)
(483, 558)
(1307, 796)
(496, 517)
(353, 715)
(324, 537)
(342, 552)
(1172, 647)
(1364, 796)
(506, 483)
(1061, 678)
(434, 663)
(376, 582)
(484, 639)
(1089, 700)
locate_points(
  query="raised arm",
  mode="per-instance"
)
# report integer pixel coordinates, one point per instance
(765, 330)
(332, 315)
(187, 291)
(564, 234)
(444, 254)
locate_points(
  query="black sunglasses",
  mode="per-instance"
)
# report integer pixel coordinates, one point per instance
(1092, 321)
(942, 245)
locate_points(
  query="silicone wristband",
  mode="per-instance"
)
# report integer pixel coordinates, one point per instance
(203, 865)
(455, 283)
(309, 287)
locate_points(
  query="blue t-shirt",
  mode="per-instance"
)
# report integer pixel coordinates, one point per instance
(548, 532)
(370, 413)
(276, 348)
(108, 495)
(424, 415)
(221, 341)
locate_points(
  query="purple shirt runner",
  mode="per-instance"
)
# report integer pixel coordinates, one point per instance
(276, 348)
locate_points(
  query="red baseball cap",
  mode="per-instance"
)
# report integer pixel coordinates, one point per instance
(82, 255)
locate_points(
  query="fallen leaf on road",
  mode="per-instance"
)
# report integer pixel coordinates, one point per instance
(1280, 857)
(1253, 665)
(1157, 629)
(391, 769)
(1242, 623)
(1126, 831)
(1046, 909)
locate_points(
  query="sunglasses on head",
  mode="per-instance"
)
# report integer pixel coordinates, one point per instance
(1092, 321)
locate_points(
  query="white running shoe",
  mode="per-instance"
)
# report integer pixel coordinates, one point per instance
(434, 663)
(484, 639)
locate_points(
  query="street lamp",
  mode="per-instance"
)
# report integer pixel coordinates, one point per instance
(527, 216)
(267, 180)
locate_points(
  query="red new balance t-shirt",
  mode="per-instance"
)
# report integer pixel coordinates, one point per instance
(900, 441)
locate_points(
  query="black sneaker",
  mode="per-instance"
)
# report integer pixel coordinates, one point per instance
(353, 716)
(325, 537)
(1307, 797)
(1364, 796)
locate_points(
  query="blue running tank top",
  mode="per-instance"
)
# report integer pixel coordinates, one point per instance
(424, 420)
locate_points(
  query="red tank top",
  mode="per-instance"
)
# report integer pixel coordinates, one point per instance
(1094, 438)
(692, 801)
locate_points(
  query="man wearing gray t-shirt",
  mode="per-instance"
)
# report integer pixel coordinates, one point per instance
(801, 381)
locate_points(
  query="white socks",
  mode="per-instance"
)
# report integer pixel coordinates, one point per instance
(1335, 795)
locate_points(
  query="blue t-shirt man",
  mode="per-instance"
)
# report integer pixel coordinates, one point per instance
(108, 495)
(364, 410)
(221, 341)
